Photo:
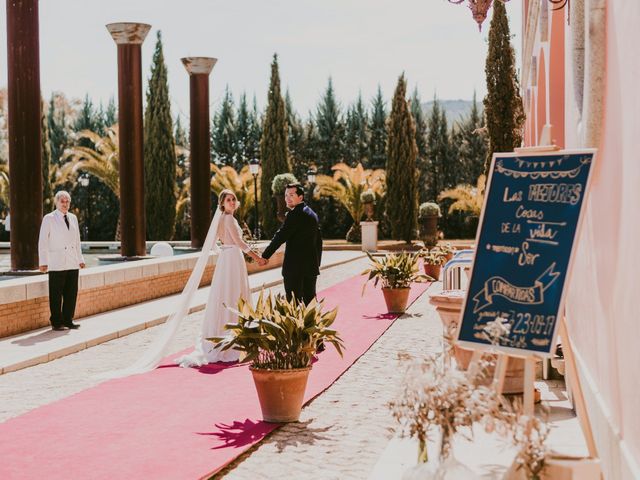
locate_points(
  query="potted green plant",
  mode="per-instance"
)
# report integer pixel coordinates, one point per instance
(428, 215)
(278, 186)
(447, 249)
(368, 199)
(432, 261)
(279, 338)
(396, 271)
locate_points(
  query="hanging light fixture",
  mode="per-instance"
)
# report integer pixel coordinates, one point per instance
(480, 8)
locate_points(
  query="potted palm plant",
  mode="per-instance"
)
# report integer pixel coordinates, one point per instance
(396, 271)
(432, 261)
(349, 186)
(279, 338)
(278, 186)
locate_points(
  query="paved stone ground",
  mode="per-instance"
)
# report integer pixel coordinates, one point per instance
(342, 432)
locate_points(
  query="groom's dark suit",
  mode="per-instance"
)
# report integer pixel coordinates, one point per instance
(301, 266)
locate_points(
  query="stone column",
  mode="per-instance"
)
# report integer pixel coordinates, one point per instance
(129, 38)
(25, 157)
(199, 69)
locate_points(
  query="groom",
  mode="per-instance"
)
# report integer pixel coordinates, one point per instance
(301, 232)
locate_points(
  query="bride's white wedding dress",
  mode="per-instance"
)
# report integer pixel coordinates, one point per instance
(230, 282)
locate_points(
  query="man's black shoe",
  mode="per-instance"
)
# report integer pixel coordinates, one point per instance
(73, 326)
(58, 329)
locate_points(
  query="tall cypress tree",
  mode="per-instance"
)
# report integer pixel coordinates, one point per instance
(296, 139)
(111, 113)
(357, 134)
(183, 227)
(255, 132)
(439, 162)
(159, 153)
(223, 148)
(378, 137)
(503, 105)
(56, 123)
(421, 143)
(330, 131)
(402, 176)
(242, 133)
(273, 148)
(472, 148)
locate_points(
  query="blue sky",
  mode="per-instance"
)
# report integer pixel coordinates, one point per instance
(359, 43)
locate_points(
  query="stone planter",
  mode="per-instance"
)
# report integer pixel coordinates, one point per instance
(429, 230)
(369, 236)
(396, 299)
(281, 393)
(449, 306)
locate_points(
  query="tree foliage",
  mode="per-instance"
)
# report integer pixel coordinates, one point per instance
(159, 153)
(503, 106)
(273, 148)
(402, 176)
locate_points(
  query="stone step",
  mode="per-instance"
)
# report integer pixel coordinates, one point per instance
(44, 345)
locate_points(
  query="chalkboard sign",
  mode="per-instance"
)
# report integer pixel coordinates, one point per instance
(524, 247)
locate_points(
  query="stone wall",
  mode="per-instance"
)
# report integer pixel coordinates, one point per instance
(24, 302)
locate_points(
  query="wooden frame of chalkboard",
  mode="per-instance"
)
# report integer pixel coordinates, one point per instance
(532, 213)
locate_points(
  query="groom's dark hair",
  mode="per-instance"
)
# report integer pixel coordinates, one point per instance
(299, 188)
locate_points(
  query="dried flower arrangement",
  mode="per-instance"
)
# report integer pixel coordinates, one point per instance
(437, 395)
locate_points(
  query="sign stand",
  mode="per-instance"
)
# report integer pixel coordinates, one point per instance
(578, 397)
(525, 244)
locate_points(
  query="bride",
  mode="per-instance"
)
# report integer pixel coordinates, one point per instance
(230, 282)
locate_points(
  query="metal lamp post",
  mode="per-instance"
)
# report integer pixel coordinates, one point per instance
(84, 182)
(254, 168)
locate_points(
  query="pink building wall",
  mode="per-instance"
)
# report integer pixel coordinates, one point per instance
(595, 102)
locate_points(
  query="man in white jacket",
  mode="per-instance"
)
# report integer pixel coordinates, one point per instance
(60, 255)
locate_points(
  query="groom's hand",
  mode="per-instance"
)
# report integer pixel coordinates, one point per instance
(262, 262)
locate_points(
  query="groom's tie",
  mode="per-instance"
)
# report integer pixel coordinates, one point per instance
(66, 220)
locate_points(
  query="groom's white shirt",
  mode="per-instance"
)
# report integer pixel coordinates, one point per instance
(59, 246)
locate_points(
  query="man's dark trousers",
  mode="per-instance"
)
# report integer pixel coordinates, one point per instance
(63, 291)
(302, 286)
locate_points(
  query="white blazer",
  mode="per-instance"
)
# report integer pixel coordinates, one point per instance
(59, 246)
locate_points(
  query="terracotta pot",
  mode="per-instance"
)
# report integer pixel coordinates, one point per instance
(396, 299)
(281, 393)
(432, 270)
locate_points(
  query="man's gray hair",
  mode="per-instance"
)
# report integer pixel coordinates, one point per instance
(60, 195)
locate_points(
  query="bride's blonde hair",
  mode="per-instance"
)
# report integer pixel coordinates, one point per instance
(223, 195)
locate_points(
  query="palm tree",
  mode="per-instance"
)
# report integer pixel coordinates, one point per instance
(346, 186)
(467, 198)
(102, 161)
(239, 183)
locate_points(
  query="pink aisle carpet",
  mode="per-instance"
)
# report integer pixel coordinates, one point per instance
(175, 423)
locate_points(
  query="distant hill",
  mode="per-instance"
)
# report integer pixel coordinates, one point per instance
(454, 109)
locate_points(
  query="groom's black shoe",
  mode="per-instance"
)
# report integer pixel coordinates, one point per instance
(58, 328)
(72, 326)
